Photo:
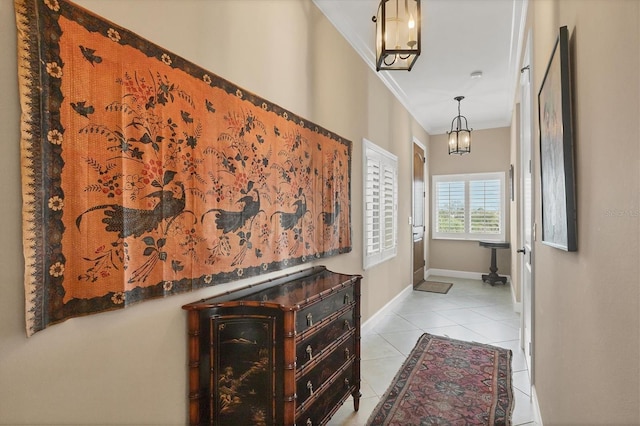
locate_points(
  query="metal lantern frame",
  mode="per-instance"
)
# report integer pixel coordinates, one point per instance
(459, 137)
(402, 54)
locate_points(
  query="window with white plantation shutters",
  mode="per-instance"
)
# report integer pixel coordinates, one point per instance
(484, 206)
(451, 207)
(469, 207)
(380, 204)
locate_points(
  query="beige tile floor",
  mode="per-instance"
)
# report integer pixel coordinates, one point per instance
(471, 310)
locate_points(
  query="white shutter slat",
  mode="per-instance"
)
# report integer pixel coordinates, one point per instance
(388, 210)
(380, 204)
(372, 208)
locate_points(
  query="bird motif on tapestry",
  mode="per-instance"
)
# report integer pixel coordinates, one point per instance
(137, 222)
(231, 221)
(290, 219)
(328, 218)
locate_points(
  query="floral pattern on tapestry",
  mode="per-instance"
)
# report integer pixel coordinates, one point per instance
(145, 175)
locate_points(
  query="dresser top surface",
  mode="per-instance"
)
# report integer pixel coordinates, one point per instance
(291, 290)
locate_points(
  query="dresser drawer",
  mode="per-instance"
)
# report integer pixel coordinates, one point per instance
(313, 346)
(312, 380)
(283, 352)
(319, 407)
(316, 312)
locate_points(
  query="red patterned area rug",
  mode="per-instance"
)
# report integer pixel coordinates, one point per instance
(449, 382)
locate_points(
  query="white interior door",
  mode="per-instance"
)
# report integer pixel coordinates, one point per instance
(526, 207)
(419, 241)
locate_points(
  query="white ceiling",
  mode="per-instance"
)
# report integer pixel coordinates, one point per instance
(458, 38)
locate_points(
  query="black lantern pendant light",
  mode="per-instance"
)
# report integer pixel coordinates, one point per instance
(459, 137)
(398, 25)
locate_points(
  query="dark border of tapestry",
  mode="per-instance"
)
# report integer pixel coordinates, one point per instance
(41, 179)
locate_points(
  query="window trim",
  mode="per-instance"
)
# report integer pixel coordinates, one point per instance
(467, 235)
(389, 162)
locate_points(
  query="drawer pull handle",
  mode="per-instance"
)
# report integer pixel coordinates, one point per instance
(310, 352)
(347, 352)
(309, 422)
(346, 383)
(346, 299)
(309, 320)
(310, 387)
(347, 324)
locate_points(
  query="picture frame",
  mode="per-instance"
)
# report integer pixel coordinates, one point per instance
(559, 211)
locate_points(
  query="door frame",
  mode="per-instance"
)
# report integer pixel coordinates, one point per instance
(528, 303)
(425, 248)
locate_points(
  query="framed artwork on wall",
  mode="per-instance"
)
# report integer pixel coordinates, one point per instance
(559, 213)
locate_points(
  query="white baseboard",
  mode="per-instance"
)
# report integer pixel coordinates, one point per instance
(517, 306)
(460, 274)
(537, 417)
(370, 324)
(454, 274)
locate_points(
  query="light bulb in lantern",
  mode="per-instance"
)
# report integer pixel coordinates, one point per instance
(465, 140)
(412, 37)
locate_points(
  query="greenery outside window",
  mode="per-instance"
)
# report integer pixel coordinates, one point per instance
(469, 207)
(380, 169)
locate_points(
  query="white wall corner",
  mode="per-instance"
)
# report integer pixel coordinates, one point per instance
(517, 306)
(374, 319)
(537, 417)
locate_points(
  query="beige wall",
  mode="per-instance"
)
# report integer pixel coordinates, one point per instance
(130, 367)
(587, 323)
(489, 153)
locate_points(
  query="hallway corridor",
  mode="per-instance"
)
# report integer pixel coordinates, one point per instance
(471, 310)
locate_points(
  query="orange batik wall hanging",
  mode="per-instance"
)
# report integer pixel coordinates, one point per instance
(145, 175)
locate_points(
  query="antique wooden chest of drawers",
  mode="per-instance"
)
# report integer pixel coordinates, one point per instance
(282, 352)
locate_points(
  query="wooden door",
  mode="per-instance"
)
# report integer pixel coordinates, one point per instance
(418, 215)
